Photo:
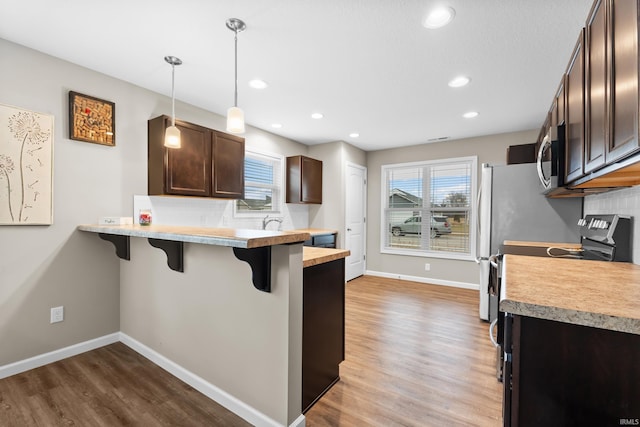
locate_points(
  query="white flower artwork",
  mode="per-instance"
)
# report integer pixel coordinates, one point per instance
(26, 166)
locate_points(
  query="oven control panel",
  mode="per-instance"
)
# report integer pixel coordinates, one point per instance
(595, 223)
(607, 232)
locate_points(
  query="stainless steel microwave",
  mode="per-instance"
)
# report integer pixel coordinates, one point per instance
(551, 159)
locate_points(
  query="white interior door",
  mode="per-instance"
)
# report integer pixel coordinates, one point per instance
(355, 235)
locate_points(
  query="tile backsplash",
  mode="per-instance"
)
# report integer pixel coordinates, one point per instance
(201, 212)
(625, 202)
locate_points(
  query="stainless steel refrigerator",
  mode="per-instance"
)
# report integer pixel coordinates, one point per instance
(512, 207)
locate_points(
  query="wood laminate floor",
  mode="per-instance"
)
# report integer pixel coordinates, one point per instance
(111, 386)
(416, 355)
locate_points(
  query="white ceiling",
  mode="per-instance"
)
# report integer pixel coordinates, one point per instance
(368, 65)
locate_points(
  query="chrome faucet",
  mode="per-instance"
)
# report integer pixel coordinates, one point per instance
(266, 220)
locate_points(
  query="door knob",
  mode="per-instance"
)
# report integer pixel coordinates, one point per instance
(348, 229)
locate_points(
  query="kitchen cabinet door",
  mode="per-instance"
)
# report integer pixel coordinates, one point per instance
(304, 180)
(184, 171)
(596, 88)
(209, 163)
(228, 166)
(565, 374)
(323, 329)
(624, 80)
(574, 89)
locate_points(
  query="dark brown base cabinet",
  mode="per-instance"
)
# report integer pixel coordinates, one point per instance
(322, 329)
(322, 241)
(560, 374)
(209, 163)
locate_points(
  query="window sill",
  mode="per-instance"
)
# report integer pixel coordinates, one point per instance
(428, 254)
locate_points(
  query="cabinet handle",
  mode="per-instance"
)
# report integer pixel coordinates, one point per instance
(491, 328)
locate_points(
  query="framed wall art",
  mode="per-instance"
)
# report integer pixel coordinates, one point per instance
(92, 119)
(26, 167)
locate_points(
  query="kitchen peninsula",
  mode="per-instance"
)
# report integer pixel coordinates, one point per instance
(244, 346)
(572, 341)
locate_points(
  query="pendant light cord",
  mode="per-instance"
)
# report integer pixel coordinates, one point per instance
(235, 99)
(173, 98)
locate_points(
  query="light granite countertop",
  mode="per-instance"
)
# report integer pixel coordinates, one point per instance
(237, 238)
(313, 256)
(590, 293)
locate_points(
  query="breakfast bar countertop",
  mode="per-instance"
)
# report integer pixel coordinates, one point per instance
(590, 293)
(313, 256)
(237, 238)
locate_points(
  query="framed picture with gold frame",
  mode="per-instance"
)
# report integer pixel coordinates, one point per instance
(92, 119)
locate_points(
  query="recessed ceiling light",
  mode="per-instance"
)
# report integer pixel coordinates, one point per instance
(258, 84)
(354, 134)
(439, 17)
(276, 125)
(459, 81)
(470, 115)
(317, 116)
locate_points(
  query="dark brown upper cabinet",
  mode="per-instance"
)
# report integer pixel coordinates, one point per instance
(624, 80)
(228, 166)
(611, 73)
(555, 117)
(596, 87)
(574, 113)
(209, 163)
(304, 180)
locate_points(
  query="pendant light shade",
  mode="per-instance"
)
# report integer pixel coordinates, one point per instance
(172, 133)
(172, 137)
(235, 120)
(235, 116)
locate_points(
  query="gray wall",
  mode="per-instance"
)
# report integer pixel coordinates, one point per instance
(212, 321)
(489, 149)
(47, 266)
(331, 213)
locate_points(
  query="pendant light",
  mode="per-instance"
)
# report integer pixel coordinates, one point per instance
(235, 116)
(172, 133)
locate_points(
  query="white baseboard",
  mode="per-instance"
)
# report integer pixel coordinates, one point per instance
(233, 404)
(56, 355)
(230, 402)
(428, 280)
(299, 422)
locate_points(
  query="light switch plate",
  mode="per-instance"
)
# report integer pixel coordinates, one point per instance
(57, 314)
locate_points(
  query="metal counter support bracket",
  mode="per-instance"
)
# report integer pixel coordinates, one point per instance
(120, 242)
(174, 251)
(260, 261)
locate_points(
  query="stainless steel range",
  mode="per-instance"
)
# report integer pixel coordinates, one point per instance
(605, 237)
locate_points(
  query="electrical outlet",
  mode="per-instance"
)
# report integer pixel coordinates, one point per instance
(57, 314)
(427, 267)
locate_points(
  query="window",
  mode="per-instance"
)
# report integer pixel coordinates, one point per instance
(440, 192)
(262, 185)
